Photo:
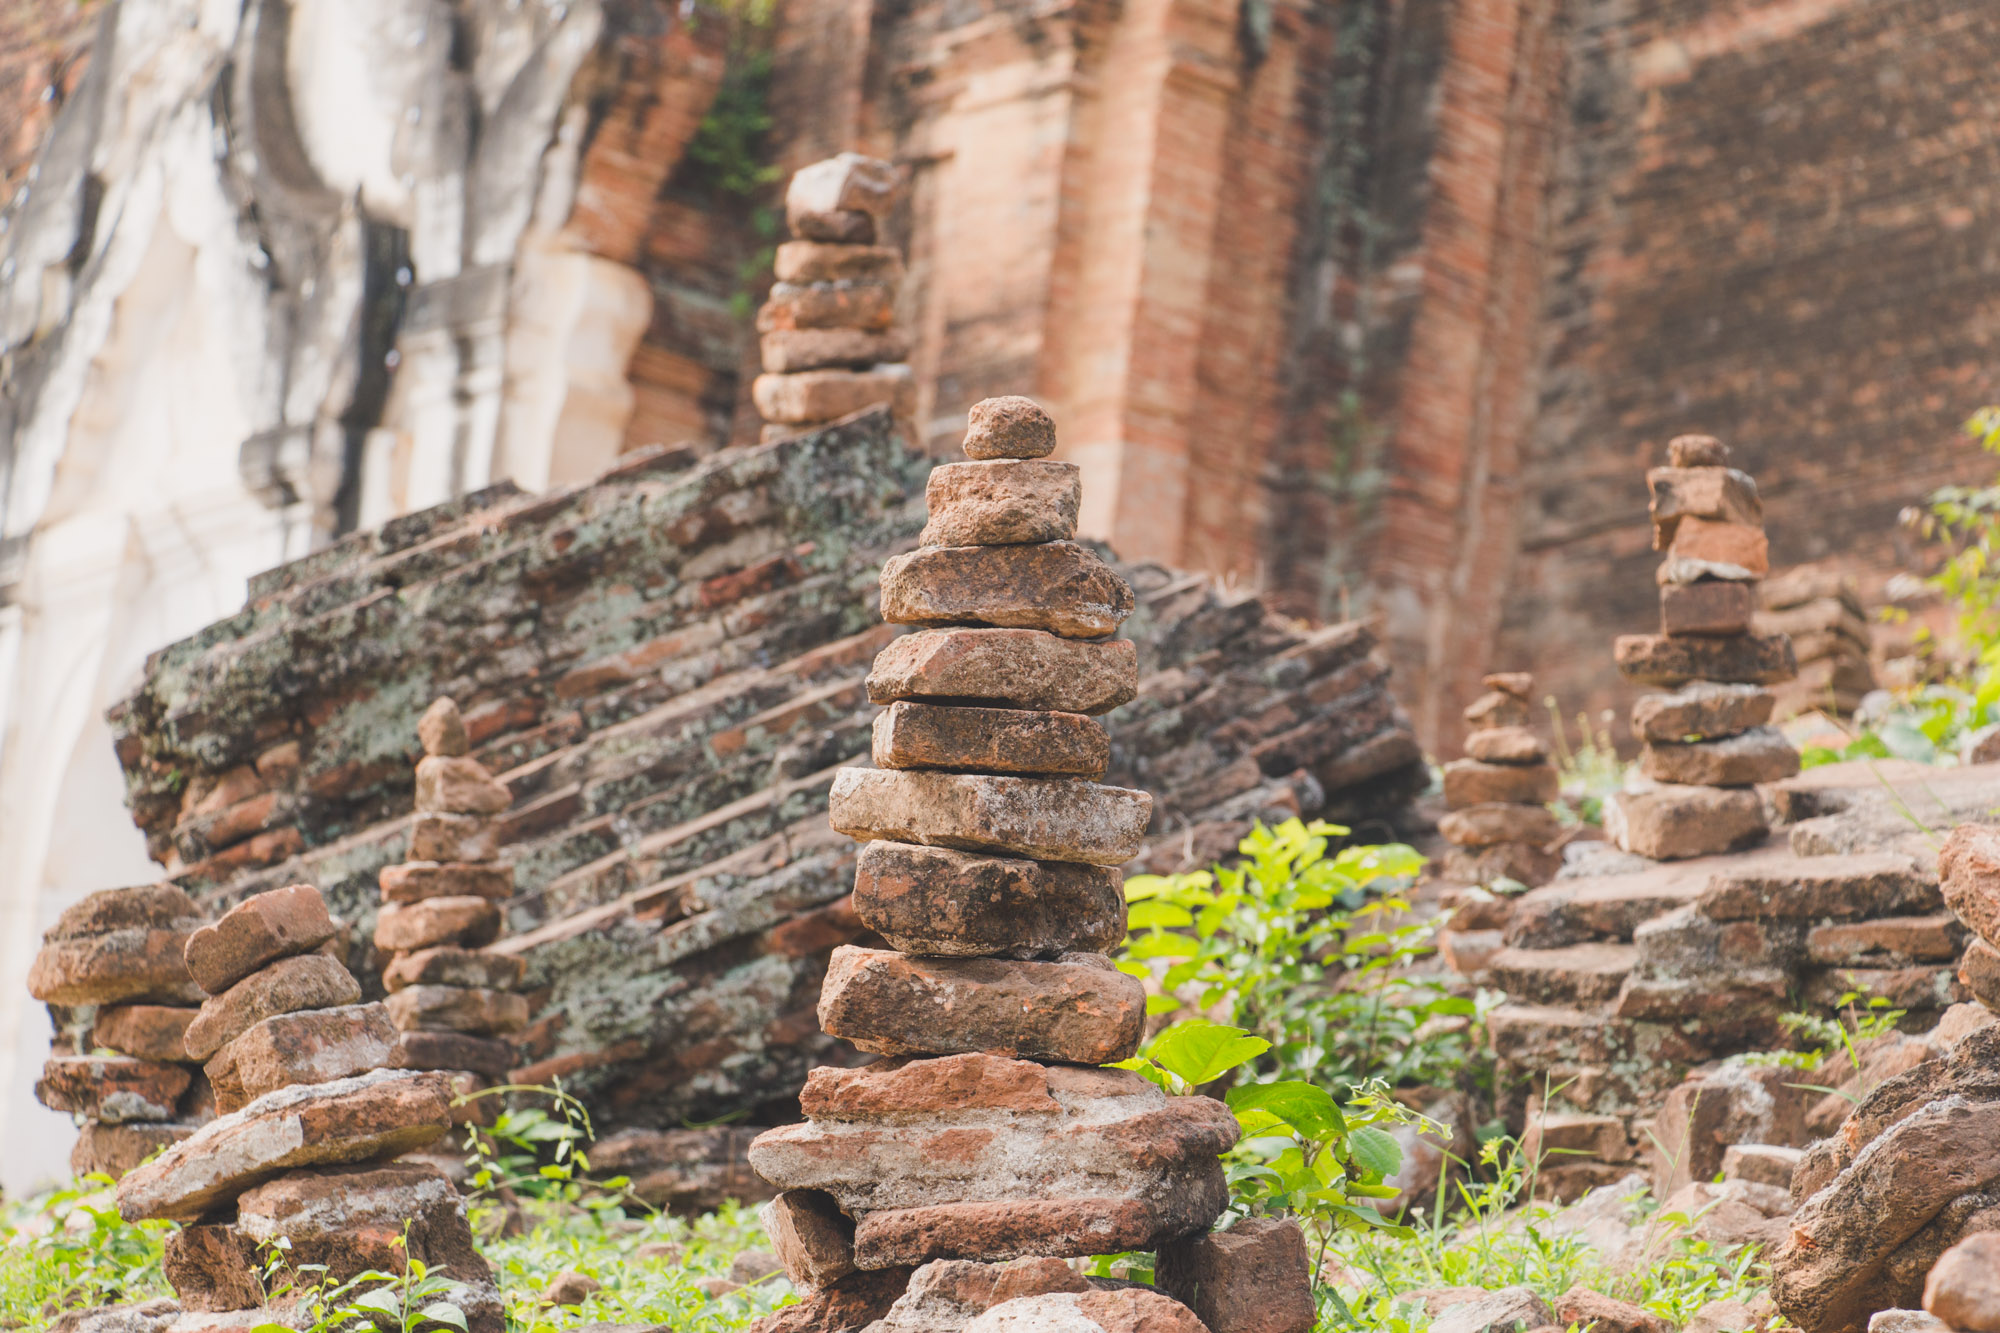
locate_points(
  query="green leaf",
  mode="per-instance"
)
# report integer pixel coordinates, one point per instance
(382, 1298)
(1161, 944)
(1153, 914)
(1375, 1151)
(1198, 1052)
(1145, 1069)
(445, 1313)
(1306, 1108)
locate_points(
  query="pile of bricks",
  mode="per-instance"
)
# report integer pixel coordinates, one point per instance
(1820, 610)
(1707, 744)
(1499, 823)
(309, 1122)
(112, 971)
(827, 332)
(989, 866)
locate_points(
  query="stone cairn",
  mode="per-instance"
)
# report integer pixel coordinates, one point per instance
(989, 1144)
(1821, 612)
(828, 339)
(1499, 823)
(308, 1123)
(1707, 744)
(112, 973)
(452, 1000)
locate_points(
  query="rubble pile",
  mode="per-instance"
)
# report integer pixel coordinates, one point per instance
(1499, 823)
(1820, 611)
(111, 970)
(989, 1133)
(827, 331)
(309, 1123)
(1708, 743)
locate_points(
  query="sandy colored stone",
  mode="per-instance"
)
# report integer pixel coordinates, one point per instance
(1716, 494)
(990, 740)
(257, 931)
(933, 900)
(1506, 745)
(1001, 502)
(112, 1089)
(312, 1046)
(1697, 451)
(1056, 586)
(865, 304)
(1078, 1009)
(1486, 825)
(417, 881)
(1704, 709)
(1964, 1287)
(1469, 782)
(113, 1150)
(1044, 819)
(290, 985)
(816, 261)
(453, 967)
(844, 182)
(1713, 607)
(1761, 754)
(1010, 668)
(1255, 1277)
(441, 730)
(812, 1238)
(1496, 708)
(810, 396)
(441, 837)
(1672, 823)
(378, 1114)
(837, 226)
(1010, 426)
(1969, 875)
(144, 1031)
(462, 922)
(453, 1050)
(458, 785)
(1761, 1163)
(788, 351)
(1722, 543)
(1749, 659)
(477, 1010)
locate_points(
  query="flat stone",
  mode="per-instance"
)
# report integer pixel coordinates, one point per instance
(155, 1316)
(1761, 754)
(1486, 825)
(898, 1091)
(1761, 1163)
(312, 1046)
(453, 967)
(145, 1031)
(1717, 494)
(1044, 819)
(140, 907)
(1702, 709)
(1468, 782)
(213, 1268)
(789, 351)
(453, 1050)
(1508, 1310)
(1580, 1307)
(812, 1238)
(1573, 1134)
(868, 303)
(466, 923)
(809, 396)
(1979, 973)
(1882, 1321)
(1253, 1278)
(1123, 1310)
(816, 261)
(1506, 745)
(1721, 543)
(1888, 941)
(458, 785)
(1496, 708)
(1079, 1009)
(1697, 451)
(1056, 586)
(478, 1010)
(1008, 668)
(945, 1293)
(442, 837)
(1866, 884)
(1679, 570)
(1712, 607)
(1588, 973)
(115, 967)
(844, 182)
(257, 931)
(380, 1114)
(1748, 659)
(990, 740)
(1964, 1288)
(932, 900)
(1187, 1199)
(418, 881)
(1010, 426)
(111, 1089)
(113, 1150)
(1673, 823)
(838, 226)
(851, 1304)
(441, 730)
(1969, 874)
(290, 985)
(1002, 502)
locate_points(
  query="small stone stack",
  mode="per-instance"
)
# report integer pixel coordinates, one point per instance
(990, 865)
(1707, 745)
(828, 339)
(1821, 612)
(309, 1124)
(1499, 825)
(112, 973)
(452, 1000)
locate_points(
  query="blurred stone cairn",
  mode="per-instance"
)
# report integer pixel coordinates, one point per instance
(1820, 610)
(1499, 823)
(941, 1187)
(308, 1122)
(451, 1000)
(827, 337)
(1707, 744)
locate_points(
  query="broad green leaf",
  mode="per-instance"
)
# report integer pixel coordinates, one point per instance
(1306, 1108)
(1198, 1052)
(445, 1313)
(1154, 914)
(1161, 944)
(1161, 1004)
(1375, 1151)
(1145, 1069)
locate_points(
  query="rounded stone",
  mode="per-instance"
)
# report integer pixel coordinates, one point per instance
(1009, 427)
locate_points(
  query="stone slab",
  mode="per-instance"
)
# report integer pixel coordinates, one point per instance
(309, 981)
(115, 967)
(812, 1238)
(1469, 782)
(446, 837)
(1748, 659)
(1712, 608)
(1008, 668)
(788, 351)
(1718, 494)
(845, 182)
(846, 303)
(1672, 823)
(311, 1046)
(808, 396)
(990, 740)
(112, 1089)
(1506, 745)
(1893, 941)
(1255, 1277)
(1721, 542)
(1865, 884)
(1044, 819)
(458, 785)
(1056, 586)
(449, 966)
(478, 1010)
(112, 1150)
(1002, 502)
(1058, 1227)
(933, 900)
(146, 1031)
(816, 261)
(257, 931)
(1500, 822)
(419, 881)
(466, 923)
(454, 1050)
(1702, 709)
(1761, 754)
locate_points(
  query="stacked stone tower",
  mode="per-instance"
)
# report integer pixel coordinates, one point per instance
(309, 1122)
(829, 343)
(990, 867)
(452, 1000)
(112, 972)
(1707, 744)
(1499, 825)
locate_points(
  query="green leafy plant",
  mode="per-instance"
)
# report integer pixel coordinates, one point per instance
(534, 1151)
(416, 1298)
(70, 1249)
(1589, 766)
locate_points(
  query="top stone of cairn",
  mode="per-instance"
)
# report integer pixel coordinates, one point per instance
(442, 729)
(1697, 451)
(1009, 427)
